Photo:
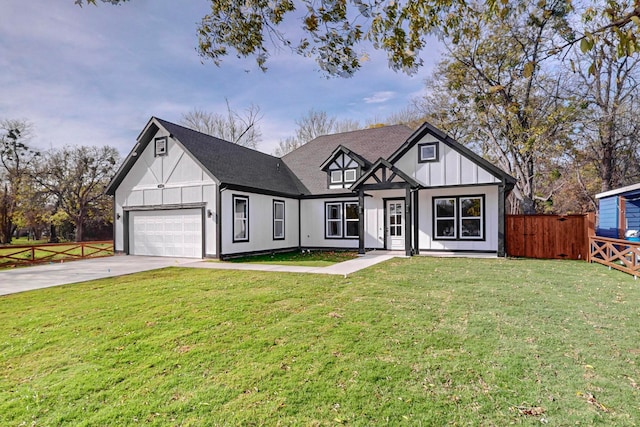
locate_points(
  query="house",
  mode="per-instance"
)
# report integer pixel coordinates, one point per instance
(619, 212)
(186, 194)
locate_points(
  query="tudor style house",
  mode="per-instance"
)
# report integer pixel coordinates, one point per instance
(182, 193)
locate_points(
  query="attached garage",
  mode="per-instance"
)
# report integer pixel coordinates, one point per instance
(170, 233)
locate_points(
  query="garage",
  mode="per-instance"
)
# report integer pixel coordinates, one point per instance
(170, 233)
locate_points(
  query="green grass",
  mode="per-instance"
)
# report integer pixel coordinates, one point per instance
(419, 341)
(311, 259)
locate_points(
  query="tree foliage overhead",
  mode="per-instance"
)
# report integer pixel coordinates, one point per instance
(333, 30)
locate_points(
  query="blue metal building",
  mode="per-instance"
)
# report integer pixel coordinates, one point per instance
(619, 213)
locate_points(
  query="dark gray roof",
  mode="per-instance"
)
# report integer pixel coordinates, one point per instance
(370, 144)
(232, 165)
(235, 165)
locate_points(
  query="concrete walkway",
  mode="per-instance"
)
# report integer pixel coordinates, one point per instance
(47, 275)
(343, 268)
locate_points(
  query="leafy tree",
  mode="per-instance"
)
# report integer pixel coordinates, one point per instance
(77, 178)
(15, 160)
(513, 112)
(608, 83)
(233, 127)
(335, 29)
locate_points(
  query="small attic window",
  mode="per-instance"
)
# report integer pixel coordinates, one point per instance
(160, 146)
(428, 152)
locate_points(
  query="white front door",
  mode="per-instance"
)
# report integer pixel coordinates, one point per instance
(395, 225)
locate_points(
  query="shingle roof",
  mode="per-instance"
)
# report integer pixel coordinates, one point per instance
(236, 165)
(371, 144)
(231, 164)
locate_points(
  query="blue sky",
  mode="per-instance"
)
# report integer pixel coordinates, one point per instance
(95, 75)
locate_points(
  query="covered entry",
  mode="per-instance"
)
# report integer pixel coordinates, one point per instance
(170, 233)
(382, 179)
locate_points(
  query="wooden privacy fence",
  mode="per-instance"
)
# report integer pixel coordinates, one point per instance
(31, 254)
(549, 236)
(620, 254)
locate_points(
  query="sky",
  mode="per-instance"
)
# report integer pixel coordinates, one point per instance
(95, 75)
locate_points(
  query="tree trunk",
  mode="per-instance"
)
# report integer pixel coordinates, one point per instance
(53, 236)
(79, 230)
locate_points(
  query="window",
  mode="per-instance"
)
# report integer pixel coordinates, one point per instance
(342, 220)
(334, 219)
(395, 219)
(240, 219)
(350, 175)
(428, 152)
(445, 218)
(336, 177)
(471, 218)
(351, 220)
(278, 220)
(160, 146)
(459, 218)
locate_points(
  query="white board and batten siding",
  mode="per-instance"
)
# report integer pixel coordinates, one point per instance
(491, 216)
(155, 193)
(261, 236)
(312, 229)
(458, 176)
(452, 167)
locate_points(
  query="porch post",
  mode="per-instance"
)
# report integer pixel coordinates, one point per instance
(501, 221)
(361, 249)
(407, 221)
(416, 225)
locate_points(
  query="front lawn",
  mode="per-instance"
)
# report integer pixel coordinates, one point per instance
(419, 341)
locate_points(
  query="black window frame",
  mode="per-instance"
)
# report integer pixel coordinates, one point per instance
(458, 219)
(235, 198)
(342, 220)
(435, 145)
(279, 202)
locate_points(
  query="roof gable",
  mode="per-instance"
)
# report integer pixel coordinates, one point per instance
(428, 128)
(228, 164)
(369, 144)
(384, 175)
(355, 157)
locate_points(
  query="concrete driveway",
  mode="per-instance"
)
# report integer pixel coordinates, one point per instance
(44, 276)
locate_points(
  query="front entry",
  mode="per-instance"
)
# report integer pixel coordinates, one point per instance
(395, 225)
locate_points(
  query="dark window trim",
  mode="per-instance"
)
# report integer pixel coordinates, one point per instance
(164, 140)
(343, 220)
(458, 219)
(235, 197)
(284, 215)
(437, 149)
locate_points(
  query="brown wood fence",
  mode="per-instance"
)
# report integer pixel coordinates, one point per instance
(33, 254)
(620, 254)
(549, 236)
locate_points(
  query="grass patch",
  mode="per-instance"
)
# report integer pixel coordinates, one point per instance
(308, 259)
(418, 341)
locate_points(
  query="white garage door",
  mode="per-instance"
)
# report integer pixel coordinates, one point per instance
(172, 233)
